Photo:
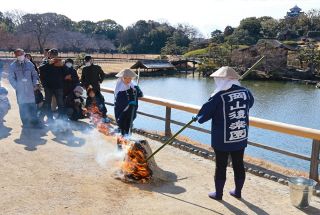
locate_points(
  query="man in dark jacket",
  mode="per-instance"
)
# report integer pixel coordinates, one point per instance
(92, 75)
(52, 76)
(72, 78)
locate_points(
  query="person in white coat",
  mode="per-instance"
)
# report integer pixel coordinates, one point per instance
(25, 80)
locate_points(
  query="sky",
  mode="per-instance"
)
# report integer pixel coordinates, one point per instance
(205, 15)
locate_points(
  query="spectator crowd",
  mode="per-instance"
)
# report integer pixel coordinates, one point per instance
(53, 90)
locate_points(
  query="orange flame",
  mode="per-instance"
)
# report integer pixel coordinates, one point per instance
(103, 128)
(134, 166)
(96, 117)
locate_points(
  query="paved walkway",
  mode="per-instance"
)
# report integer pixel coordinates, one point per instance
(46, 172)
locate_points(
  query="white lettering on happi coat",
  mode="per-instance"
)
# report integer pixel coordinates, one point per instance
(241, 114)
(239, 134)
(237, 107)
(239, 95)
(236, 124)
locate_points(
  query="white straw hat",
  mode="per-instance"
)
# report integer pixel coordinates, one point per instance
(126, 73)
(226, 72)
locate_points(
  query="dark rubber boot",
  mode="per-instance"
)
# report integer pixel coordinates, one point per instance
(219, 184)
(239, 185)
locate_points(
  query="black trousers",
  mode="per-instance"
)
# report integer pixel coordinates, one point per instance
(222, 163)
(28, 114)
(124, 121)
(74, 114)
(58, 93)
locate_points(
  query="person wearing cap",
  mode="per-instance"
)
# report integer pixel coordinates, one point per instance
(126, 96)
(228, 108)
(75, 104)
(52, 76)
(92, 75)
(4, 104)
(72, 79)
(24, 79)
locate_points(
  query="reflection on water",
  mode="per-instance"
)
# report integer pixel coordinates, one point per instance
(279, 101)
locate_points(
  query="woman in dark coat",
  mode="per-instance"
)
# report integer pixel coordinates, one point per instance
(126, 100)
(228, 108)
(97, 101)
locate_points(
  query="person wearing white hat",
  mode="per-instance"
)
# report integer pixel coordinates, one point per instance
(228, 108)
(126, 102)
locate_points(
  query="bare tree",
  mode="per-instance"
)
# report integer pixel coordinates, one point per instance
(15, 16)
(70, 41)
(314, 16)
(6, 42)
(42, 26)
(191, 31)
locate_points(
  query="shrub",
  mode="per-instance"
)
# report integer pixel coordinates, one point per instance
(208, 65)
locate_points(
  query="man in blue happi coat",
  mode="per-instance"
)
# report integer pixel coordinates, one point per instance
(228, 108)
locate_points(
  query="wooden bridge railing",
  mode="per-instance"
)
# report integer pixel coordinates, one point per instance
(294, 130)
(96, 56)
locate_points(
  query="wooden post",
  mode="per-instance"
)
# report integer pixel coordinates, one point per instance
(314, 173)
(186, 67)
(193, 69)
(168, 132)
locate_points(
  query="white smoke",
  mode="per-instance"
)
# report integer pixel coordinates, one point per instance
(60, 126)
(92, 142)
(106, 157)
(106, 153)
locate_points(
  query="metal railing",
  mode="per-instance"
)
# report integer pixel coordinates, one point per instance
(294, 130)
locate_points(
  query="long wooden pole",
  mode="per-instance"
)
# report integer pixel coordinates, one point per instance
(171, 139)
(193, 119)
(251, 68)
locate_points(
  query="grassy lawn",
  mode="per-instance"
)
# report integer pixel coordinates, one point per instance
(204, 51)
(115, 66)
(196, 52)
